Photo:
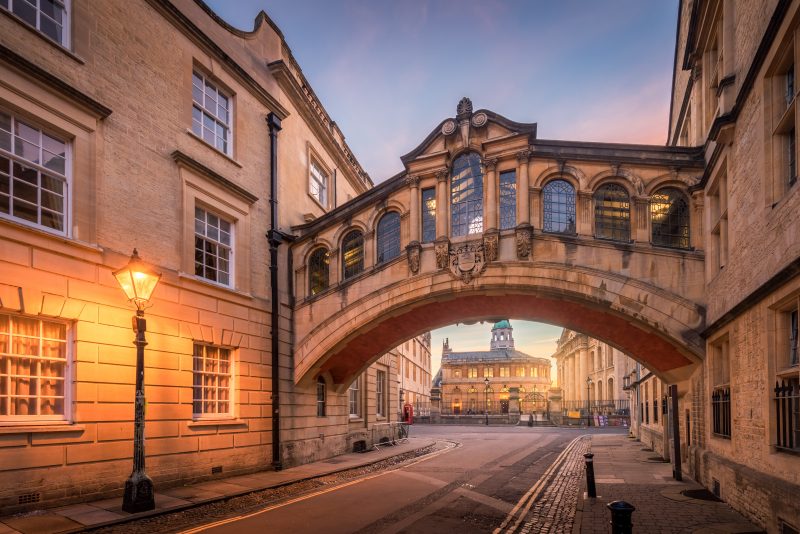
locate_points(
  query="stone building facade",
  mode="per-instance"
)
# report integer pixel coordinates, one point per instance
(501, 380)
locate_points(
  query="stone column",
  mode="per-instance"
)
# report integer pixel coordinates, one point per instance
(583, 371)
(442, 206)
(369, 249)
(490, 208)
(696, 220)
(415, 218)
(523, 188)
(537, 206)
(584, 213)
(640, 216)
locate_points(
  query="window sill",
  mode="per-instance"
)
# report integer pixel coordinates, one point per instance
(318, 203)
(212, 147)
(42, 36)
(784, 450)
(209, 283)
(61, 238)
(203, 423)
(41, 428)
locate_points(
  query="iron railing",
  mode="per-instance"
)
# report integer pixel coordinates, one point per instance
(787, 414)
(721, 411)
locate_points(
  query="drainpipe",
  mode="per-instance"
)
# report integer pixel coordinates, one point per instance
(275, 237)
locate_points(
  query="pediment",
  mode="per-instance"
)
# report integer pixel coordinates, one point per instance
(469, 129)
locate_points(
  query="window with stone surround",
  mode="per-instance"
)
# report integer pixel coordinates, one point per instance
(388, 238)
(34, 370)
(318, 183)
(519, 371)
(718, 213)
(781, 115)
(49, 17)
(34, 175)
(380, 393)
(319, 271)
(508, 199)
(473, 372)
(428, 215)
(352, 254)
(213, 246)
(212, 372)
(488, 372)
(669, 218)
(354, 398)
(720, 387)
(505, 371)
(211, 113)
(612, 213)
(559, 207)
(321, 397)
(466, 196)
(786, 390)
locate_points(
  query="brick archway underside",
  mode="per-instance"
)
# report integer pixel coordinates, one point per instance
(671, 359)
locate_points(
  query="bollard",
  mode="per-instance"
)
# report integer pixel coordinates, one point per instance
(591, 490)
(530, 420)
(621, 512)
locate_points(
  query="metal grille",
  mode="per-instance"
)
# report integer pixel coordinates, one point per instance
(428, 215)
(352, 254)
(669, 215)
(787, 413)
(318, 271)
(612, 213)
(793, 345)
(466, 196)
(508, 200)
(721, 411)
(559, 207)
(389, 237)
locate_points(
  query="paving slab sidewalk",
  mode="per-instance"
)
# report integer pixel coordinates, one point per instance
(624, 470)
(77, 517)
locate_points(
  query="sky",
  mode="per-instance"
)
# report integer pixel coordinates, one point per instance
(388, 72)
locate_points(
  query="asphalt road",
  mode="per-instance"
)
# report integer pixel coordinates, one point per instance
(472, 487)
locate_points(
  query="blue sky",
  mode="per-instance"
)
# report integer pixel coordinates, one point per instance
(389, 71)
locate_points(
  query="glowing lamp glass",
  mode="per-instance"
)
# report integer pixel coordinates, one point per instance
(137, 280)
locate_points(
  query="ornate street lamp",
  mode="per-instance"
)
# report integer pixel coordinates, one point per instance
(588, 399)
(138, 281)
(486, 395)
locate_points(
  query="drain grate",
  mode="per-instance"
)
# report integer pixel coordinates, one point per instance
(29, 498)
(701, 494)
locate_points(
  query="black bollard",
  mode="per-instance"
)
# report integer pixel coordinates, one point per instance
(591, 490)
(530, 420)
(621, 512)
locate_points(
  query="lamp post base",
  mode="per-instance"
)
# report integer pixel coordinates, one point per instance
(139, 495)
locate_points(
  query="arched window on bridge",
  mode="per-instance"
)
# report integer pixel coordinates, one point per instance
(318, 271)
(612, 213)
(466, 195)
(669, 216)
(559, 207)
(352, 254)
(388, 237)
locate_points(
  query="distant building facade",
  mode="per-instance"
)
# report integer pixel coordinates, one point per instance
(498, 381)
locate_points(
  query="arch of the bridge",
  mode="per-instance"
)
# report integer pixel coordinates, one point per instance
(654, 326)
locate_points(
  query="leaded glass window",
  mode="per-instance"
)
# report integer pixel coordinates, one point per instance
(559, 207)
(352, 254)
(508, 199)
(669, 215)
(212, 371)
(466, 196)
(213, 245)
(33, 175)
(211, 113)
(318, 271)
(389, 237)
(428, 215)
(612, 213)
(48, 16)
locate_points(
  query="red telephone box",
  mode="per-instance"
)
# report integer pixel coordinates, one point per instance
(408, 414)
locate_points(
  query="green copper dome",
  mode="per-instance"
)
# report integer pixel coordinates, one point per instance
(502, 324)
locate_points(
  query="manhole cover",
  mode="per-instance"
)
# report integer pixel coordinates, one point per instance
(701, 494)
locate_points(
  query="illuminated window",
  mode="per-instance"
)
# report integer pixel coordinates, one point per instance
(612, 213)
(488, 372)
(318, 271)
(428, 215)
(466, 196)
(505, 371)
(211, 113)
(33, 369)
(473, 372)
(519, 371)
(669, 216)
(354, 396)
(213, 246)
(388, 237)
(559, 207)
(213, 374)
(318, 184)
(508, 199)
(50, 17)
(352, 254)
(34, 175)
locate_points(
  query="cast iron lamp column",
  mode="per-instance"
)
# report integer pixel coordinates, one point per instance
(486, 395)
(589, 400)
(138, 281)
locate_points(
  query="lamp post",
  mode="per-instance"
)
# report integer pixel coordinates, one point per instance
(138, 281)
(486, 395)
(588, 400)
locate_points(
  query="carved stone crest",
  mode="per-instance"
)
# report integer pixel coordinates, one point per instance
(490, 242)
(442, 250)
(480, 119)
(413, 251)
(449, 127)
(464, 109)
(523, 236)
(467, 261)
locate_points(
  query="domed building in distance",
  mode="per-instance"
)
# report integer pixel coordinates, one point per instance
(500, 380)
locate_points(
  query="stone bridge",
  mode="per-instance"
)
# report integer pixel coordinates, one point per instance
(487, 222)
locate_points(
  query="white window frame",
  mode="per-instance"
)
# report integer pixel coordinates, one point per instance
(354, 399)
(322, 400)
(205, 111)
(320, 178)
(67, 398)
(40, 169)
(231, 247)
(380, 393)
(66, 22)
(201, 416)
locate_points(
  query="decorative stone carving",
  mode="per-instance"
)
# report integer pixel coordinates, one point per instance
(467, 261)
(523, 234)
(413, 251)
(449, 127)
(489, 164)
(491, 240)
(480, 119)
(412, 181)
(441, 175)
(523, 156)
(464, 109)
(442, 250)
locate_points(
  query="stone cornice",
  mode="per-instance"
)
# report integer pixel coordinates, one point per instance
(31, 70)
(651, 155)
(188, 162)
